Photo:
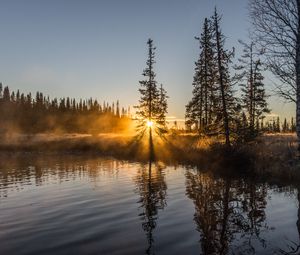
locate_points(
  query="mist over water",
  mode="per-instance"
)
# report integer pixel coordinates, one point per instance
(79, 205)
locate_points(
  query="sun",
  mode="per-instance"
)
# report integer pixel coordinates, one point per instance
(149, 123)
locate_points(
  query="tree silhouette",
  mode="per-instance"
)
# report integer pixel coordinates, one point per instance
(152, 106)
(163, 110)
(200, 110)
(228, 104)
(152, 189)
(225, 211)
(277, 30)
(253, 91)
(24, 114)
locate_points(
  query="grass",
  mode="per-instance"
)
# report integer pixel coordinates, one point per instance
(276, 157)
(269, 157)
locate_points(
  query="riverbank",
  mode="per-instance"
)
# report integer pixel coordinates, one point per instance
(269, 157)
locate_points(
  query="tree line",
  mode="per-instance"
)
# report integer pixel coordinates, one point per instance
(27, 114)
(216, 107)
(277, 126)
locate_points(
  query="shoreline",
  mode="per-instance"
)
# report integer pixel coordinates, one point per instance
(271, 158)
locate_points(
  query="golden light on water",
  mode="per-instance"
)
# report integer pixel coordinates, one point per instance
(149, 123)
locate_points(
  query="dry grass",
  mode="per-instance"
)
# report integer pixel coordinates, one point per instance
(276, 157)
(270, 157)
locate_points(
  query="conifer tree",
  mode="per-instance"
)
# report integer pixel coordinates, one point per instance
(163, 110)
(6, 94)
(199, 110)
(293, 125)
(118, 109)
(227, 107)
(150, 112)
(128, 112)
(277, 129)
(285, 126)
(251, 81)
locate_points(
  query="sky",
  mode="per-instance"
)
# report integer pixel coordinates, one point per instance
(97, 48)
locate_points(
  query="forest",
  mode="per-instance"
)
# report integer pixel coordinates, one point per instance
(214, 171)
(228, 108)
(25, 114)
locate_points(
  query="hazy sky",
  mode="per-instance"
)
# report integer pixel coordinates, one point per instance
(97, 48)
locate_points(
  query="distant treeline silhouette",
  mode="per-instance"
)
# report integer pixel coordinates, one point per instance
(25, 114)
(276, 126)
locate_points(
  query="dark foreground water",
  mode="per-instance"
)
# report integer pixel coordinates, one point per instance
(73, 205)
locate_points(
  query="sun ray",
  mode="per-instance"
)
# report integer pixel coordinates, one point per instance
(149, 123)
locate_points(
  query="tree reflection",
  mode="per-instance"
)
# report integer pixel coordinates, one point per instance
(296, 250)
(226, 211)
(294, 247)
(19, 172)
(252, 216)
(152, 188)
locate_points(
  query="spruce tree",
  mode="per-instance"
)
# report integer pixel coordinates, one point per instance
(118, 109)
(285, 126)
(260, 105)
(152, 107)
(277, 125)
(227, 107)
(6, 94)
(293, 125)
(199, 110)
(250, 78)
(163, 110)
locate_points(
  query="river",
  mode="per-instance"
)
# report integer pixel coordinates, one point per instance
(77, 205)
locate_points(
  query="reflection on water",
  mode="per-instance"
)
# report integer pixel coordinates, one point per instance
(17, 174)
(227, 212)
(152, 188)
(75, 205)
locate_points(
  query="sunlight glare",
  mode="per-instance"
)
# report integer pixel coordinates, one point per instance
(149, 123)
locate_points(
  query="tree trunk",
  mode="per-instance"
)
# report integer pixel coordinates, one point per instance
(226, 212)
(298, 77)
(205, 93)
(251, 111)
(150, 84)
(222, 85)
(151, 146)
(205, 75)
(201, 110)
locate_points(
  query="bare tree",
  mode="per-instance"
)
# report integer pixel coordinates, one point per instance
(277, 29)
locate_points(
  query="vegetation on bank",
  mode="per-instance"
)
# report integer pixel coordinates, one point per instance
(224, 134)
(24, 113)
(269, 157)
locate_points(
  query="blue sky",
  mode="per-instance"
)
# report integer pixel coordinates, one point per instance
(98, 48)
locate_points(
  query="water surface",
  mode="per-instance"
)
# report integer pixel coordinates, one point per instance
(76, 205)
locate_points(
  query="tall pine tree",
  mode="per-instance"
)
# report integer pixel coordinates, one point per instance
(200, 110)
(253, 92)
(152, 107)
(227, 107)
(163, 110)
